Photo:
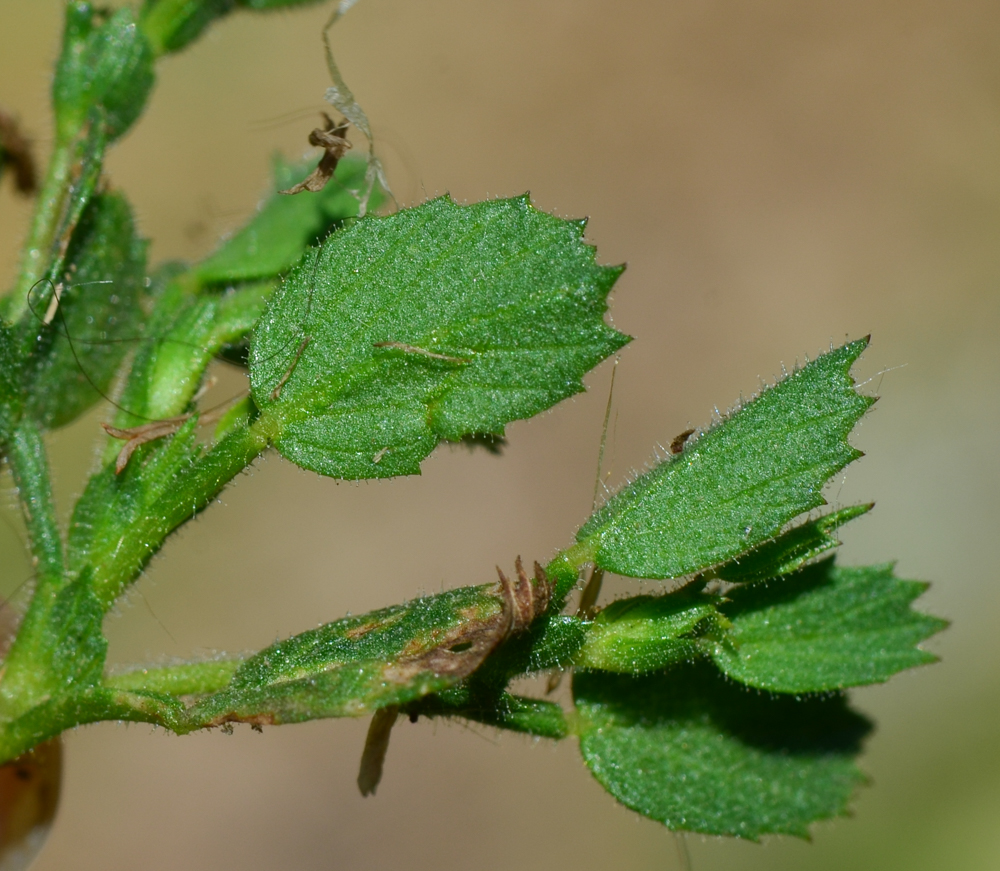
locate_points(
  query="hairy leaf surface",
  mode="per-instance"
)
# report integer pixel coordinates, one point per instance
(434, 323)
(739, 483)
(703, 755)
(825, 628)
(357, 665)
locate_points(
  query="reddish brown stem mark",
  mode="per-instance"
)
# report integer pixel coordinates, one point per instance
(137, 436)
(462, 650)
(413, 349)
(288, 372)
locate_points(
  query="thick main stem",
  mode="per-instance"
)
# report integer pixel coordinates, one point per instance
(23, 682)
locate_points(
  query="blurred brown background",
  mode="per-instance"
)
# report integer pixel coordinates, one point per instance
(778, 175)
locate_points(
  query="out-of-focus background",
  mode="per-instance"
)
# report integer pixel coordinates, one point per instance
(778, 176)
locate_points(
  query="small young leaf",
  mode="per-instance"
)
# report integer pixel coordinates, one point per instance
(791, 550)
(104, 63)
(736, 486)
(647, 633)
(703, 755)
(171, 25)
(102, 529)
(825, 628)
(276, 237)
(433, 323)
(77, 356)
(188, 332)
(123, 519)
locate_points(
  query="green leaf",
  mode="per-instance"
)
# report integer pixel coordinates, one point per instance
(171, 25)
(76, 358)
(80, 648)
(703, 755)
(179, 679)
(122, 520)
(825, 628)
(501, 709)
(274, 240)
(791, 550)
(739, 483)
(434, 323)
(359, 664)
(104, 63)
(648, 633)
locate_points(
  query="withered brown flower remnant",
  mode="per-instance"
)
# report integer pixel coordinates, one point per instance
(332, 139)
(458, 654)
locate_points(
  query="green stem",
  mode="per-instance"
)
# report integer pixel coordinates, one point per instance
(50, 207)
(187, 495)
(30, 468)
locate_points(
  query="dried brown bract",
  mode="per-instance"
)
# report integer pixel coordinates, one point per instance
(15, 152)
(526, 599)
(462, 650)
(332, 139)
(677, 445)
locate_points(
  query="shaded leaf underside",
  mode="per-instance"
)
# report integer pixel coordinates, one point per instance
(702, 755)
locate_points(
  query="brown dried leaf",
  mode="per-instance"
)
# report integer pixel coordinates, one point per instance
(333, 141)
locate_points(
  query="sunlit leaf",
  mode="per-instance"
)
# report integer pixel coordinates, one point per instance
(735, 487)
(434, 323)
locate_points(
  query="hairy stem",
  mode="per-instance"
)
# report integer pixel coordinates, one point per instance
(192, 491)
(29, 465)
(50, 207)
